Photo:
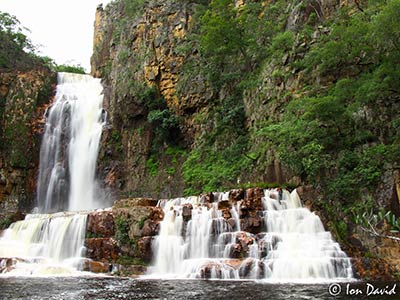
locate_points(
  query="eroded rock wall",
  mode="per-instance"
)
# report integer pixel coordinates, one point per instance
(24, 97)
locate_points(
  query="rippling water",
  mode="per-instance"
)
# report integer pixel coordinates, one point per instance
(76, 288)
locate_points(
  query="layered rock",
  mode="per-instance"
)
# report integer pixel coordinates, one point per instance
(141, 60)
(24, 97)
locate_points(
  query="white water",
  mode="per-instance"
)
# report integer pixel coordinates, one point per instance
(294, 246)
(54, 243)
(45, 244)
(70, 145)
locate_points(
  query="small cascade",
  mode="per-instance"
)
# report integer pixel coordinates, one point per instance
(45, 244)
(52, 242)
(200, 238)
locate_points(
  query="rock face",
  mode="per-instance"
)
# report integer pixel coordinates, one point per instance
(24, 97)
(155, 32)
(141, 54)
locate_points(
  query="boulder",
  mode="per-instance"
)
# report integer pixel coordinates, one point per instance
(225, 204)
(236, 195)
(101, 223)
(102, 249)
(97, 266)
(245, 240)
(253, 198)
(145, 251)
(150, 228)
(226, 214)
(187, 212)
(252, 224)
(206, 198)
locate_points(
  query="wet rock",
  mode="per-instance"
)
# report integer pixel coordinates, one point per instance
(131, 202)
(245, 240)
(225, 204)
(97, 266)
(210, 269)
(232, 223)
(156, 214)
(102, 249)
(243, 210)
(234, 263)
(150, 228)
(252, 224)
(253, 198)
(6, 264)
(236, 195)
(187, 212)
(207, 198)
(235, 251)
(252, 269)
(226, 214)
(101, 223)
(144, 248)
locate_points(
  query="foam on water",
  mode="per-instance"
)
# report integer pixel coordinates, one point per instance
(293, 248)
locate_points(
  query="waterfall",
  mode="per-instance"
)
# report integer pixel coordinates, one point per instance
(70, 145)
(52, 242)
(209, 242)
(45, 244)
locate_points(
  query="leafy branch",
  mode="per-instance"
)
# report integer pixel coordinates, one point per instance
(369, 222)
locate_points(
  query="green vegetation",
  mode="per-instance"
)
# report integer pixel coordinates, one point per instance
(16, 49)
(333, 136)
(92, 235)
(141, 222)
(233, 42)
(152, 166)
(126, 260)
(5, 223)
(78, 69)
(12, 29)
(122, 232)
(325, 90)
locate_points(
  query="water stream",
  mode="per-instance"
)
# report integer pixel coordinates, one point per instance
(52, 242)
(294, 247)
(70, 146)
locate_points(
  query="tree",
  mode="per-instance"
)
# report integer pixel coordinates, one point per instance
(11, 27)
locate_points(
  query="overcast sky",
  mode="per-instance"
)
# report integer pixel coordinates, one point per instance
(63, 28)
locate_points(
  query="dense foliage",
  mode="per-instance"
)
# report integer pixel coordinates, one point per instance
(15, 47)
(233, 42)
(309, 84)
(345, 134)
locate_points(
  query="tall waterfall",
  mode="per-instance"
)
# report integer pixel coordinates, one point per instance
(53, 243)
(70, 145)
(293, 246)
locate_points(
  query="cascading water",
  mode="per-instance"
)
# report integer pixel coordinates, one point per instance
(53, 243)
(45, 244)
(205, 240)
(70, 145)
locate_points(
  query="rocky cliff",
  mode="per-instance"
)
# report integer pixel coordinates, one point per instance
(26, 90)
(24, 98)
(205, 95)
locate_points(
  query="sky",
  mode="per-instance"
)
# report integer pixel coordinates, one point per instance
(63, 29)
